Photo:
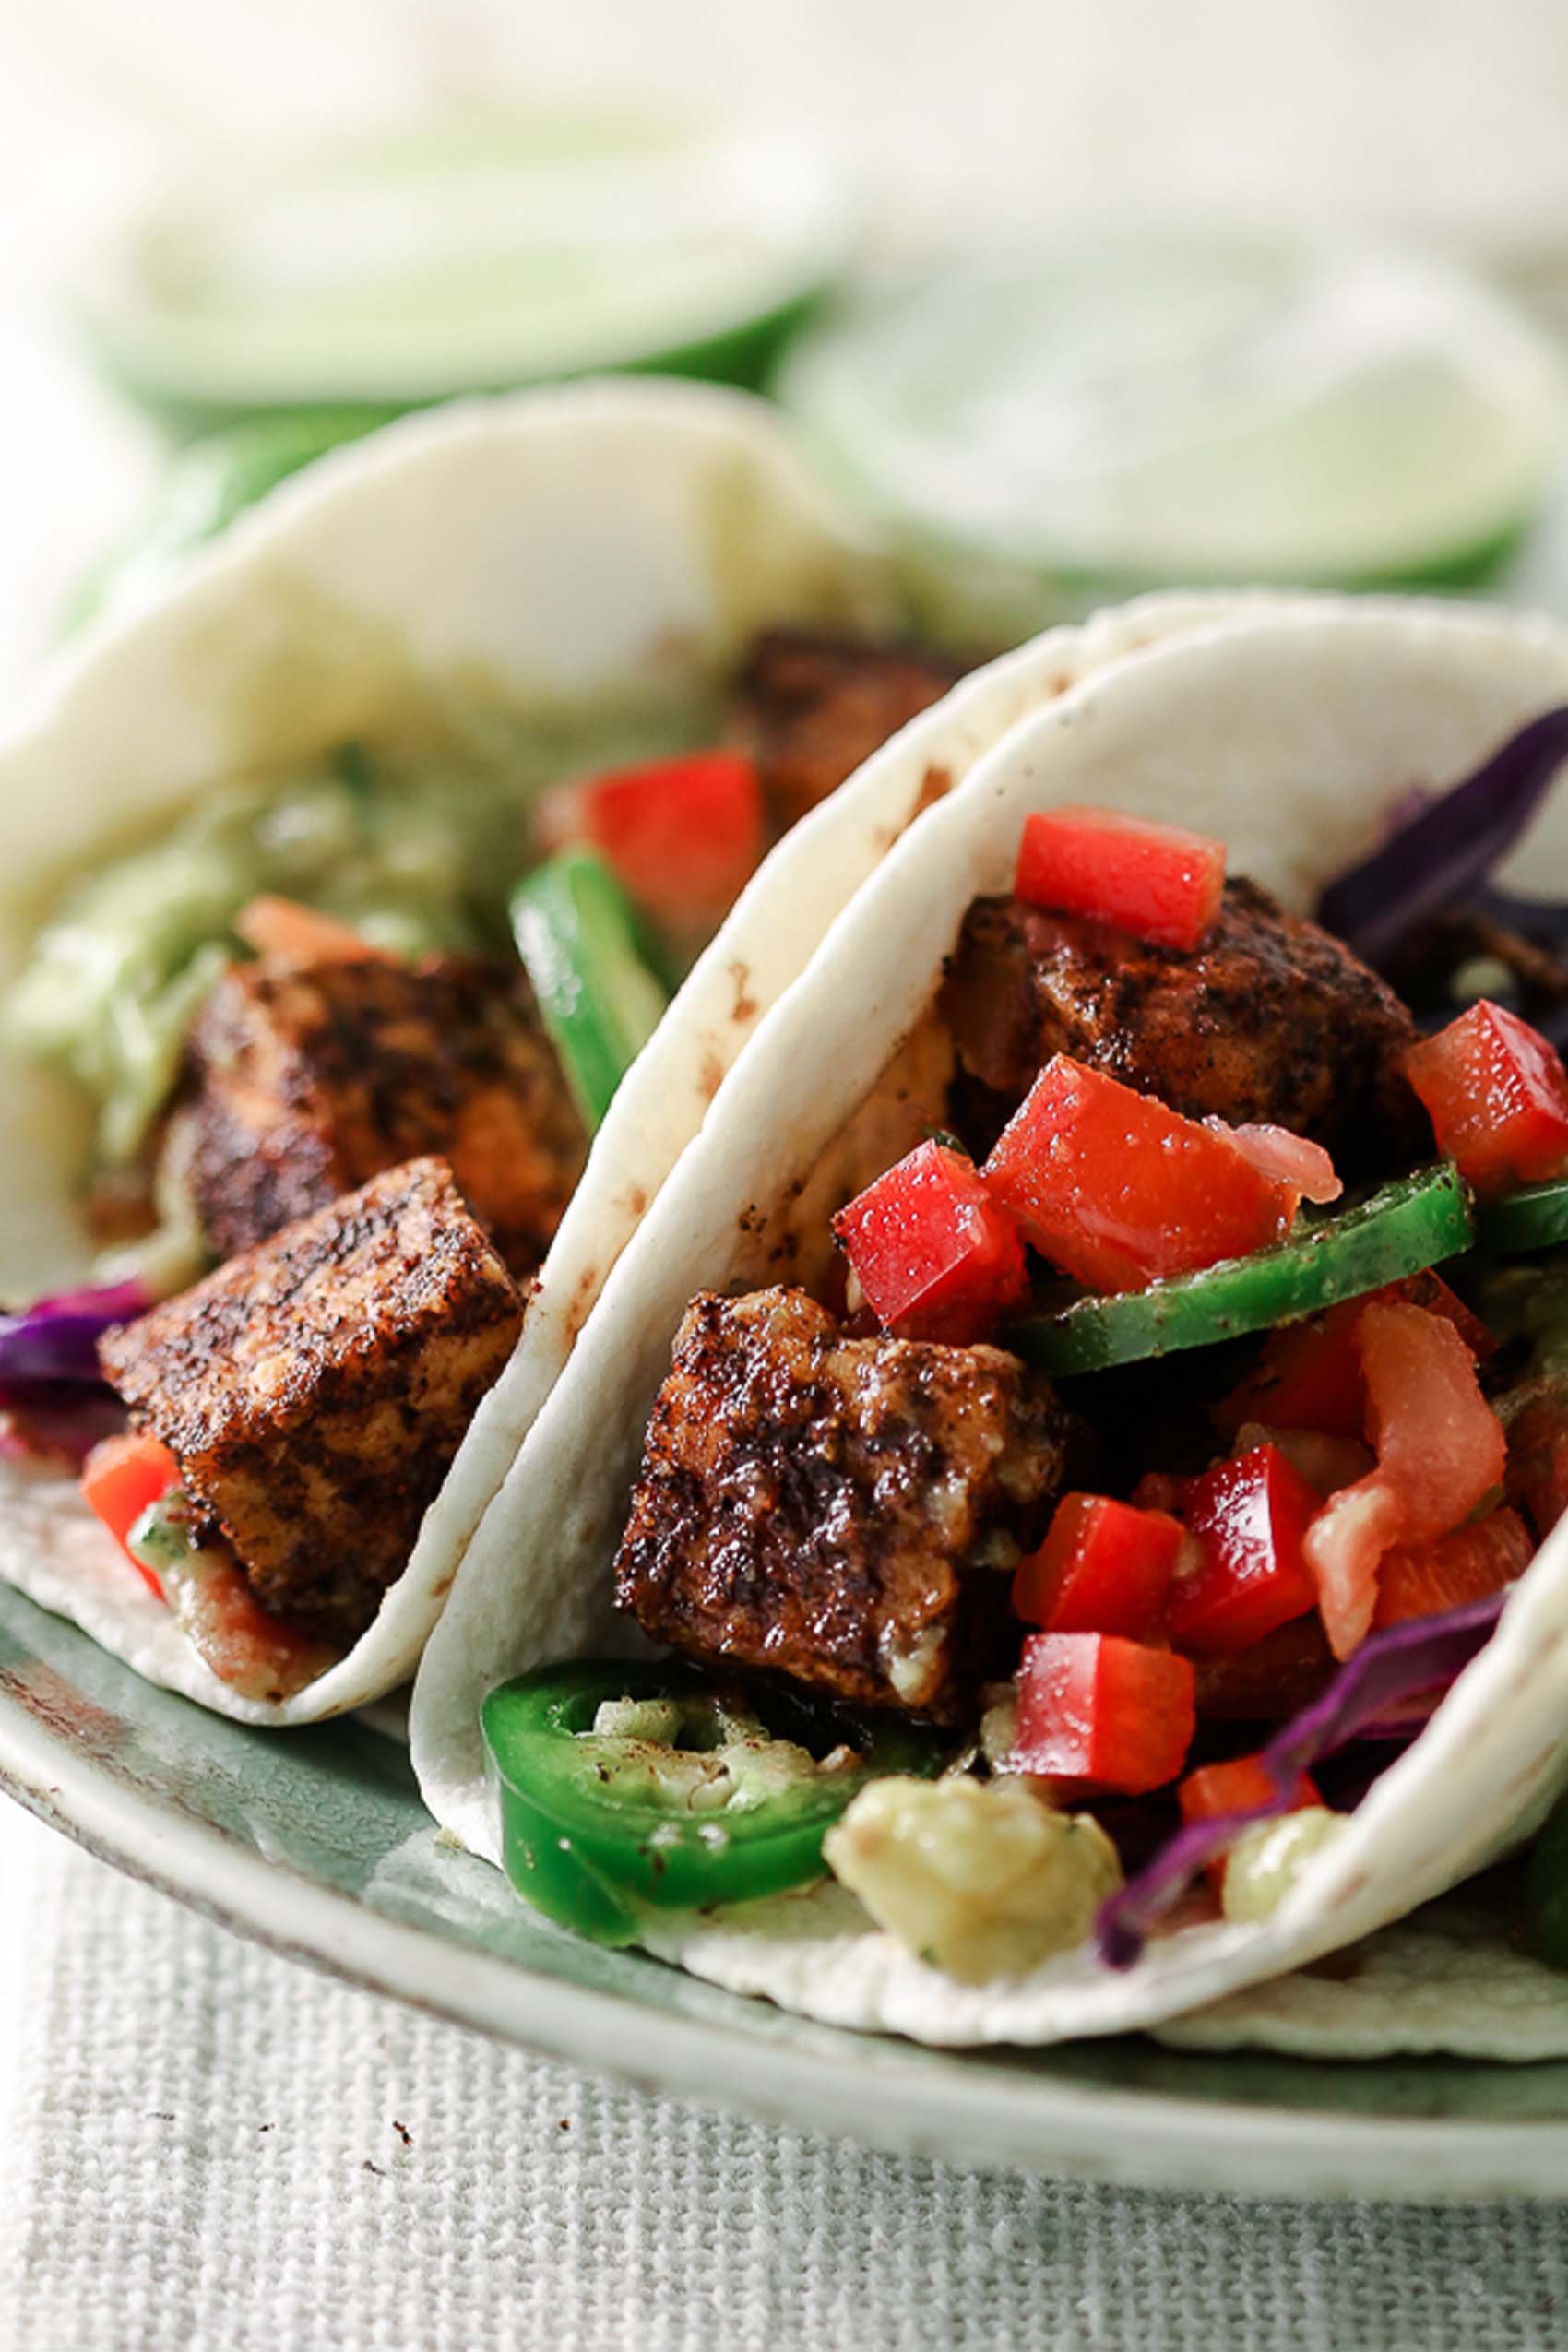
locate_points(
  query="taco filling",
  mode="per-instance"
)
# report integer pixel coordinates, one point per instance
(345, 1039)
(1108, 1424)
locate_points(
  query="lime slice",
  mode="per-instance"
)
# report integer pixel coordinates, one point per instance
(1162, 408)
(203, 489)
(468, 255)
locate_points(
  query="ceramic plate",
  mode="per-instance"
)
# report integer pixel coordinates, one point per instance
(314, 1842)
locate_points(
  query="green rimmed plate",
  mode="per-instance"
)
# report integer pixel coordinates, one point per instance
(314, 1843)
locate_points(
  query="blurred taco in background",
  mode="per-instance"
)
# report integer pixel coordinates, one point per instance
(347, 879)
(1086, 1420)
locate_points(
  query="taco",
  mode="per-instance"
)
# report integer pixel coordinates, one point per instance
(306, 1172)
(1086, 1421)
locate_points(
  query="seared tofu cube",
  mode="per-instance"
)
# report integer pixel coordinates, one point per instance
(842, 1511)
(810, 707)
(315, 1389)
(305, 1083)
(1269, 1019)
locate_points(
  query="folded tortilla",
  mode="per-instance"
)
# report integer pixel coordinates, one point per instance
(604, 545)
(1287, 728)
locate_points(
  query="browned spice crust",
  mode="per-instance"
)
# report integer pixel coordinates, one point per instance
(843, 1510)
(304, 1084)
(315, 1389)
(1270, 1019)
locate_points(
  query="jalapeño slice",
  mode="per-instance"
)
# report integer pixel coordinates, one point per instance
(1535, 1217)
(682, 1796)
(578, 937)
(1414, 1223)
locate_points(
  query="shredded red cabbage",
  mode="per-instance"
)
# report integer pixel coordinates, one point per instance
(54, 1398)
(1390, 1669)
(1449, 846)
(58, 1339)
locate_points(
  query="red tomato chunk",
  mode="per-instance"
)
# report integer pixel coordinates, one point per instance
(1103, 1568)
(1309, 1375)
(935, 1255)
(1497, 1096)
(1242, 1786)
(683, 836)
(1103, 1711)
(1156, 881)
(1440, 1451)
(1120, 1192)
(1249, 1516)
(121, 1479)
(1470, 1563)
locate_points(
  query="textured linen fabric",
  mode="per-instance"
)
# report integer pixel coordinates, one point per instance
(206, 2149)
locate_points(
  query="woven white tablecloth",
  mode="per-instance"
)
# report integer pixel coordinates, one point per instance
(204, 2149)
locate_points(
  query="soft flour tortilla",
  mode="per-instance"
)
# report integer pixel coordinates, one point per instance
(1287, 730)
(532, 555)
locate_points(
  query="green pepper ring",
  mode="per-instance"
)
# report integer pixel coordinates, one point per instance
(576, 934)
(1536, 1218)
(589, 1856)
(1406, 1226)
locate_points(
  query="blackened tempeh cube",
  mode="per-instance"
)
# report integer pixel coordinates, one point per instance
(315, 1389)
(306, 1082)
(843, 1510)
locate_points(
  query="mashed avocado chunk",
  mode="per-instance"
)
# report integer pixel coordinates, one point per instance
(417, 852)
(981, 1878)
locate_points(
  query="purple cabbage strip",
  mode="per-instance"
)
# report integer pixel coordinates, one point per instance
(58, 1339)
(51, 1387)
(1450, 846)
(1390, 1667)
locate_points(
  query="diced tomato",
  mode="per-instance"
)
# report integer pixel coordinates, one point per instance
(1309, 1375)
(935, 1255)
(1156, 881)
(1497, 1096)
(287, 932)
(1469, 1563)
(1249, 1516)
(1286, 1158)
(1239, 1787)
(119, 1478)
(684, 836)
(1103, 1712)
(1439, 1449)
(1119, 1191)
(1103, 1568)
(1429, 1291)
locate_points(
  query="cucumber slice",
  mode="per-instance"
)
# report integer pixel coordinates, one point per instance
(576, 935)
(1533, 1219)
(466, 254)
(1415, 1222)
(1139, 410)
